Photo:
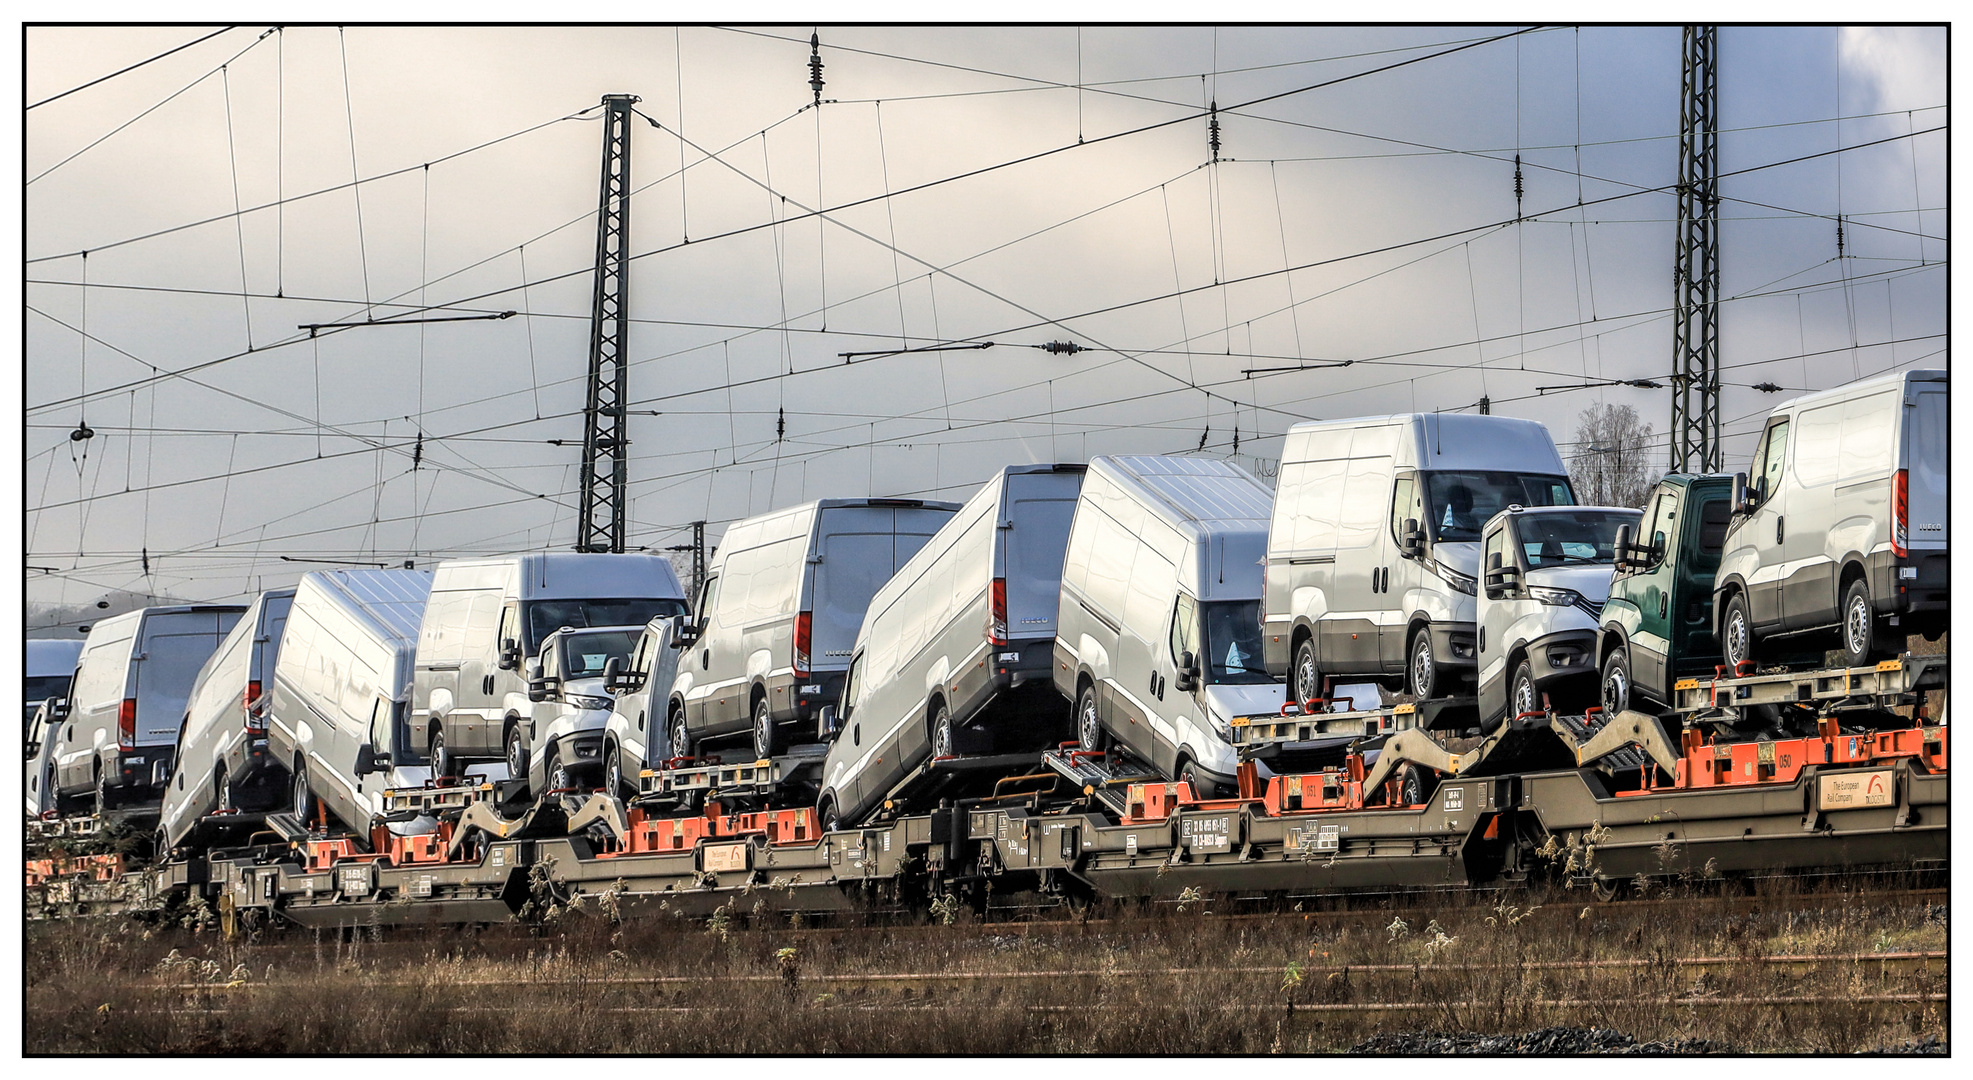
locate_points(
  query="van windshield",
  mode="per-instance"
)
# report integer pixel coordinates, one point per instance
(584, 655)
(1581, 536)
(544, 617)
(1458, 503)
(1233, 643)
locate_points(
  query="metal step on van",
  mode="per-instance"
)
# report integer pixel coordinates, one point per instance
(115, 732)
(485, 623)
(1373, 554)
(953, 656)
(1546, 573)
(1839, 532)
(221, 761)
(339, 715)
(1158, 639)
(778, 615)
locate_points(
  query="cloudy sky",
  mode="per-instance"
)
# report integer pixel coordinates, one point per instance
(1051, 184)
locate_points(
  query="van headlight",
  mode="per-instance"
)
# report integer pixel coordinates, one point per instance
(1460, 582)
(1555, 597)
(587, 701)
(1220, 726)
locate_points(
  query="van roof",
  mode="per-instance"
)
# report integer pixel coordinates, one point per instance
(576, 575)
(1462, 440)
(1866, 386)
(392, 601)
(1194, 495)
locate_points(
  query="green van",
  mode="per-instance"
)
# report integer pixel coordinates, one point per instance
(1657, 626)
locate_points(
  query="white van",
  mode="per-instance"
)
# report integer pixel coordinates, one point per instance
(1843, 525)
(221, 761)
(635, 738)
(1546, 574)
(342, 683)
(953, 657)
(122, 715)
(1158, 639)
(487, 619)
(49, 665)
(572, 706)
(1374, 549)
(779, 612)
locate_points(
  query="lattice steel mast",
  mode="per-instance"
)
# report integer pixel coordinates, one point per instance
(1696, 277)
(606, 436)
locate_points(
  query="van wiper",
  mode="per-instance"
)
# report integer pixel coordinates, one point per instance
(1239, 667)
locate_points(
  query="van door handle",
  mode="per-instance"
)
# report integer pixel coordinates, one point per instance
(1777, 528)
(705, 658)
(486, 685)
(1663, 600)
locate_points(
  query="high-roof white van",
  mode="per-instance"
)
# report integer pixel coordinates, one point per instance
(122, 715)
(487, 619)
(953, 656)
(779, 612)
(1158, 634)
(1374, 549)
(339, 714)
(1843, 524)
(221, 762)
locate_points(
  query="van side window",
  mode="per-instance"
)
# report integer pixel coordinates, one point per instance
(1773, 454)
(1405, 504)
(1496, 545)
(1714, 515)
(380, 716)
(1659, 526)
(510, 625)
(1184, 628)
(708, 597)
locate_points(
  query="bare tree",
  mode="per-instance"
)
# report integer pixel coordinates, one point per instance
(1610, 465)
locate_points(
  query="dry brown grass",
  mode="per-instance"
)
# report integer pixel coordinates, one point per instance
(589, 984)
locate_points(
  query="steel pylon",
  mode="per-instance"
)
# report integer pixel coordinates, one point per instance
(1695, 432)
(606, 435)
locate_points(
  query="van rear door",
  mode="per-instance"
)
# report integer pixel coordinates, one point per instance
(859, 552)
(1926, 420)
(1040, 507)
(173, 650)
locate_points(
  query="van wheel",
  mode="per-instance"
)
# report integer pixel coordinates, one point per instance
(1089, 725)
(1414, 786)
(1859, 626)
(516, 754)
(767, 734)
(442, 763)
(613, 772)
(1308, 681)
(1202, 788)
(681, 738)
(304, 799)
(826, 815)
(102, 794)
(560, 778)
(1736, 633)
(1615, 684)
(1423, 670)
(942, 732)
(1522, 697)
(222, 794)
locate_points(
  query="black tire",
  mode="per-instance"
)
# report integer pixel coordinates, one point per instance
(104, 801)
(1522, 694)
(442, 761)
(1089, 722)
(1307, 679)
(222, 792)
(613, 772)
(1202, 788)
(303, 800)
(514, 751)
(1415, 787)
(767, 733)
(1614, 683)
(1423, 675)
(557, 776)
(941, 725)
(1738, 644)
(679, 735)
(826, 815)
(1860, 634)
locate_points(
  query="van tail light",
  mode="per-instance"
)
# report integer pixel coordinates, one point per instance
(126, 725)
(804, 625)
(255, 707)
(997, 627)
(1900, 513)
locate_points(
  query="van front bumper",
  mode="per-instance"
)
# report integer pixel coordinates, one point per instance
(1454, 645)
(1565, 654)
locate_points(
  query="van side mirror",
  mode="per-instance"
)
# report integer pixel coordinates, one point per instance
(828, 723)
(542, 687)
(368, 760)
(1412, 543)
(510, 655)
(58, 711)
(1500, 578)
(684, 634)
(1620, 549)
(1745, 498)
(1188, 672)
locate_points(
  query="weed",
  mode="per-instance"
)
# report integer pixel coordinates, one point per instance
(1398, 928)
